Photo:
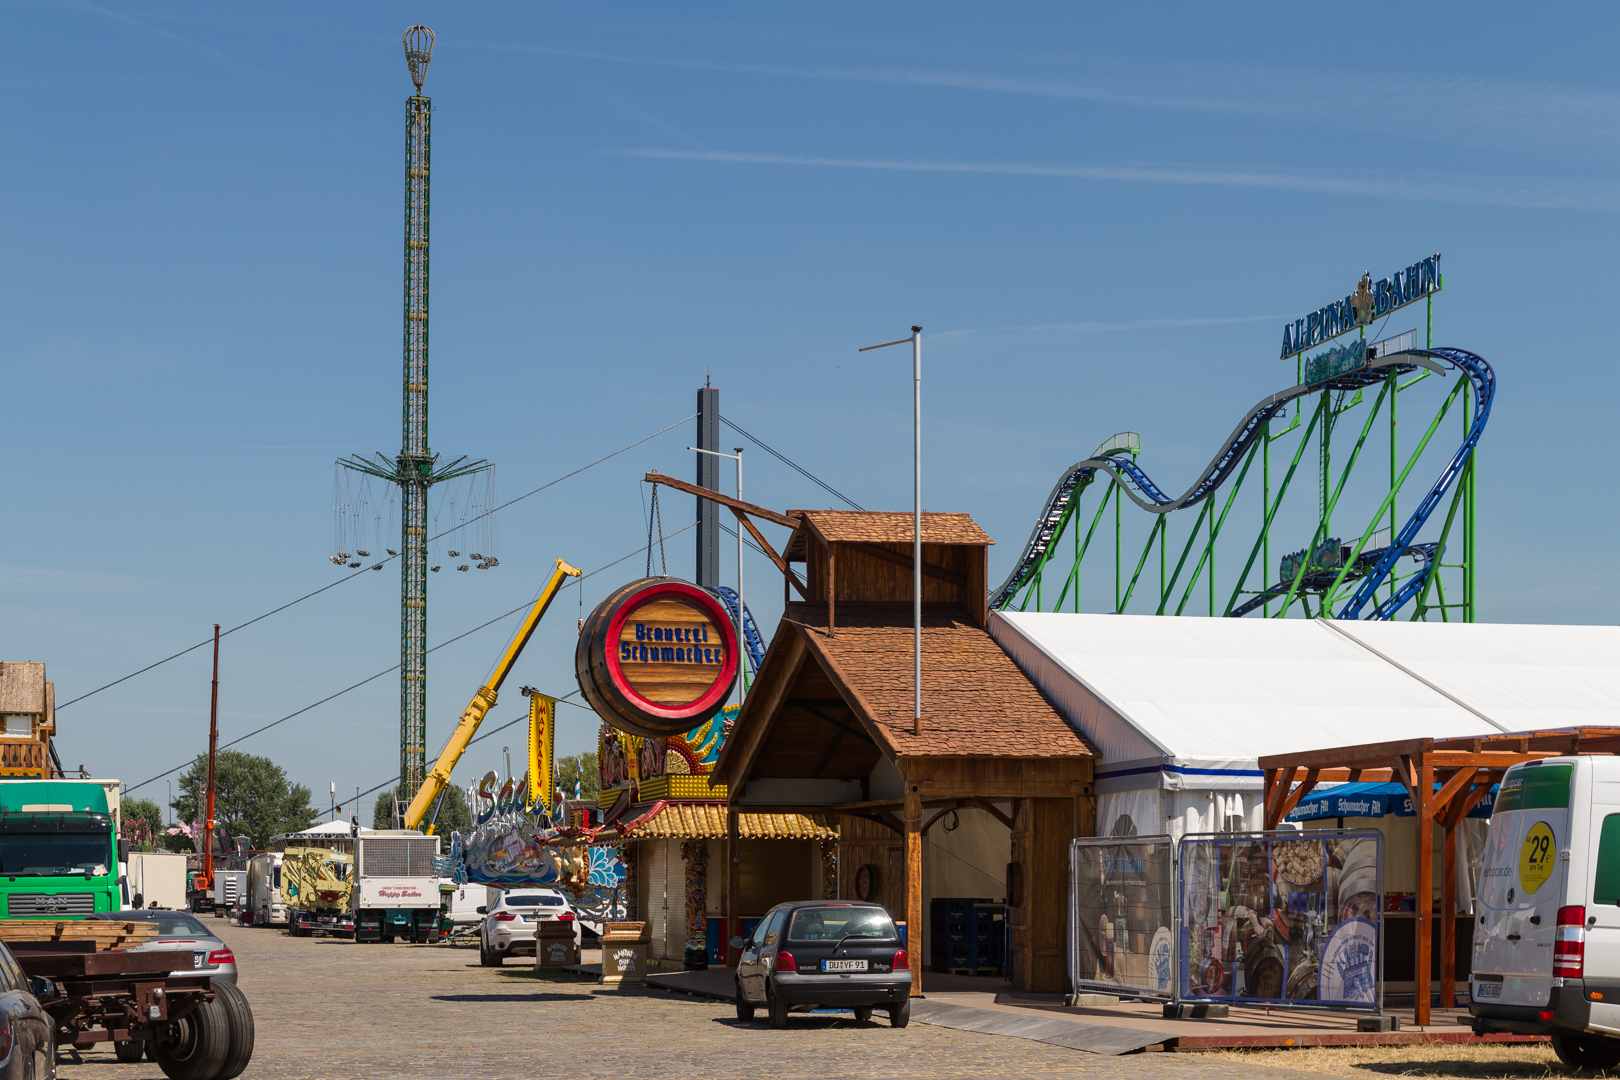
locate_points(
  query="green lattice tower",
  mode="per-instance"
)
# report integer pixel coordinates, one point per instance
(414, 468)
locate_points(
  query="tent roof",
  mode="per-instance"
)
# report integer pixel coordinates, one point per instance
(324, 829)
(1233, 690)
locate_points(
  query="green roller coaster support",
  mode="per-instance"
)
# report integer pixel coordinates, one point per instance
(1215, 527)
(1271, 513)
(1158, 526)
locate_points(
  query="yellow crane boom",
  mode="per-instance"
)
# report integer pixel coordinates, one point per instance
(439, 776)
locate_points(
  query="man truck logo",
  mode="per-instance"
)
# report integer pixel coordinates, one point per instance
(1536, 857)
(53, 903)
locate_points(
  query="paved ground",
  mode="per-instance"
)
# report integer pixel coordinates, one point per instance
(330, 1008)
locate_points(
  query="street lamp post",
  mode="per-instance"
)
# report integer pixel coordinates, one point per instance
(916, 513)
(742, 642)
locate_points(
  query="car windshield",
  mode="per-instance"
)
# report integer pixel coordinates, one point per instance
(534, 901)
(55, 854)
(833, 922)
(170, 924)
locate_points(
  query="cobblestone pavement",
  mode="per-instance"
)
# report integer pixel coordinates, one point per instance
(325, 1007)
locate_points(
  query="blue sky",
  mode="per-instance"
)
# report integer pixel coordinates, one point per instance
(1101, 214)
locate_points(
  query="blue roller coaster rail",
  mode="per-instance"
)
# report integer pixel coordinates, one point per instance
(1345, 579)
(755, 643)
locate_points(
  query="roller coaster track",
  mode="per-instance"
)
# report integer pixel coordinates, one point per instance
(1145, 493)
(755, 643)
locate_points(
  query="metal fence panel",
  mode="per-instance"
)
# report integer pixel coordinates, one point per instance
(1293, 918)
(1122, 902)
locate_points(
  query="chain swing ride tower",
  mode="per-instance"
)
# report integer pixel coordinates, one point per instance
(416, 468)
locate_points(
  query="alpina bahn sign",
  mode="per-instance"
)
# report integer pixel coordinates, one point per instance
(657, 657)
(1369, 301)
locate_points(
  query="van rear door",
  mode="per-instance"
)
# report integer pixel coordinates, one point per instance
(1522, 884)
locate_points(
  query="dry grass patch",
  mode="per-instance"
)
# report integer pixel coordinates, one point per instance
(1478, 1061)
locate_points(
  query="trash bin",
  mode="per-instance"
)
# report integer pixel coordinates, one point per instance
(554, 945)
(624, 953)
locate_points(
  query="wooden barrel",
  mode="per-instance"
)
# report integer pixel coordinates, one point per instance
(657, 657)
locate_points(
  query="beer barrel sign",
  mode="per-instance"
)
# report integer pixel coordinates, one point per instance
(657, 657)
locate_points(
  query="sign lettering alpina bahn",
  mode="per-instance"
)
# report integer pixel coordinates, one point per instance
(657, 657)
(1369, 301)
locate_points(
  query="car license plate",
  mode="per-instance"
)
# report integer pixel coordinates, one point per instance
(843, 965)
(200, 959)
(1487, 990)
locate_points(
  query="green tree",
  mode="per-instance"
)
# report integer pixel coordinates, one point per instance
(253, 797)
(143, 822)
(453, 813)
(580, 768)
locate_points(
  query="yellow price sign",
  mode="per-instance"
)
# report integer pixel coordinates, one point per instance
(1536, 857)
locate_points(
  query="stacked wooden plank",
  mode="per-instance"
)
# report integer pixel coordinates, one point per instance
(103, 933)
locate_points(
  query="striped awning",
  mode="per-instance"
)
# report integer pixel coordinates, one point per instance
(708, 822)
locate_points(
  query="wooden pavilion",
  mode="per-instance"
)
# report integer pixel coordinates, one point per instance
(1445, 778)
(828, 727)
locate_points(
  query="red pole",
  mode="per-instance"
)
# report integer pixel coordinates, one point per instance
(213, 744)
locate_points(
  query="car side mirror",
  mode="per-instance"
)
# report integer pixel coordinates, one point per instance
(483, 911)
(41, 987)
(123, 851)
(736, 943)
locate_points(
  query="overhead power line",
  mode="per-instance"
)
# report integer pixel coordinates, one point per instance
(388, 559)
(372, 678)
(797, 468)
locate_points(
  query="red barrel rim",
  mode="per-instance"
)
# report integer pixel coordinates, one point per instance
(703, 706)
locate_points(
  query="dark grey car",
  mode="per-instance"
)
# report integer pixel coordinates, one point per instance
(830, 953)
(27, 1033)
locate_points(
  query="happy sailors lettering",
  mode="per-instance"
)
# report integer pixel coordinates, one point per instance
(670, 651)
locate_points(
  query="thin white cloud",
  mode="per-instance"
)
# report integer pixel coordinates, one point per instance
(118, 16)
(1537, 193)
(1452, 109)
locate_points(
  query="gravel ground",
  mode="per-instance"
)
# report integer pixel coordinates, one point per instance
(326, 1007)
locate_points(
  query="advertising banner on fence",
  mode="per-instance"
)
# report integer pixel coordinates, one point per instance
(1124, 892)
(1291, 918)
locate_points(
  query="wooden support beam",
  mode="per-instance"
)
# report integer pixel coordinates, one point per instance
(1448, 918)
(1280, 781)
(1405, 773)
(723, 500)
(914, 921)
(832, 588)
(994, 811)
(891, 821)
(765, 545)
(1449, 789)
(1422, 803)
(929, 570)
(1302, 789)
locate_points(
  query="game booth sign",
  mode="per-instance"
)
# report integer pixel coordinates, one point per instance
(1279, 919)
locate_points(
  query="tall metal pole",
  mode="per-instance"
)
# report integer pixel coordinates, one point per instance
(916, 521)
(742, 641)
(213, 749)
(415, 462)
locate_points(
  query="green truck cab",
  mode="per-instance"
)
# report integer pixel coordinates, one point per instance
(59, 849)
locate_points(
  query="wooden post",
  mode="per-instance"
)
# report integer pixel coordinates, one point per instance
(914, 944)
(1448, 916)
(832, 584)
(1425, 888)
(733, 920)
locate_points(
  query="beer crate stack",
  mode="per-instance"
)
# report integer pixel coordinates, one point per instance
(967, 935)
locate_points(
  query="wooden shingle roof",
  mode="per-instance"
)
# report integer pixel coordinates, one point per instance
(891, 527)
(703, 821)
(22, 686)
(976, 701)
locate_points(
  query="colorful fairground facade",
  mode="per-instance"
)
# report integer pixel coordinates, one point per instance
(670, 824)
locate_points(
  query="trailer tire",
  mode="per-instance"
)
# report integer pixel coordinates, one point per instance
(202, 1039)
(240, 1051)
(129, 1051)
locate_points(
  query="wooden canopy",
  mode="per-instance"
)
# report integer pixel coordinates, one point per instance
(1445, 778)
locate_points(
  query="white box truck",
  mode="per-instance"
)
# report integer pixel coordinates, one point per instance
(1547, 937)
(265, 906)
(157, 879)
(396, 892)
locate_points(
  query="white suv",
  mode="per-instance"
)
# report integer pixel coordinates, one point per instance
(508, 928)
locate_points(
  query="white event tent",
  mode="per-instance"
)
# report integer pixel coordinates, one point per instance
(1182, 708)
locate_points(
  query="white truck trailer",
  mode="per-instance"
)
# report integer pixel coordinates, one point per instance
(265, 906)
(396, 892)
(157, 879)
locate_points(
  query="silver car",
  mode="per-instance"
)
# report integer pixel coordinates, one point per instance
(180, 930)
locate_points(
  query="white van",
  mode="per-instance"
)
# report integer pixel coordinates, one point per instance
(265, 906)
(1547, 940)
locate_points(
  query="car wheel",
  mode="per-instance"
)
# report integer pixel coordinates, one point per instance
(900, 1015)
(198, 1044)
(240, 1051)
(745, 1011)
(863, 1013)
(778, 1011)
(1586, 1051)
(129, 1052)
(484, 956)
